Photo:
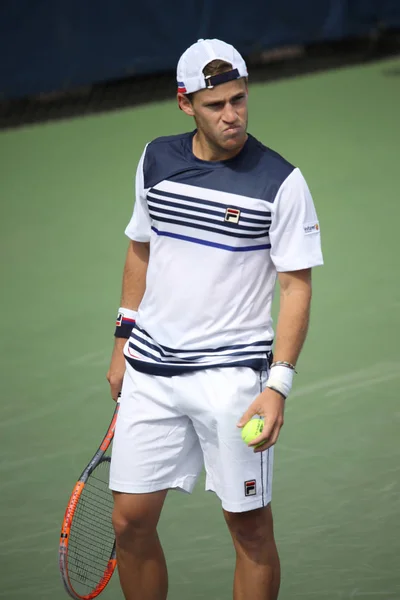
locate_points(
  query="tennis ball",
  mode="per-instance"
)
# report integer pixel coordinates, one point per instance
(252, 429)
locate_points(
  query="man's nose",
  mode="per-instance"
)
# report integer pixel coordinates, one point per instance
(229, 114)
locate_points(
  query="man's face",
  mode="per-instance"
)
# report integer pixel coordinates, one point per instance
(220, 114)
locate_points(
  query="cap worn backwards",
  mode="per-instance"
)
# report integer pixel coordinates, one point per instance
(189, 72)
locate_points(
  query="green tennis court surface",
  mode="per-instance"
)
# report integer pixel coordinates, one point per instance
(66, 195)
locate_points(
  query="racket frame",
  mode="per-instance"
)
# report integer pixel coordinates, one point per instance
(69, 515)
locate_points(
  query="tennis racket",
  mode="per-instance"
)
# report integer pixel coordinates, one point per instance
(87, 557)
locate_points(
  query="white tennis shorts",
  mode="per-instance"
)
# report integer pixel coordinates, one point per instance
(168, 428)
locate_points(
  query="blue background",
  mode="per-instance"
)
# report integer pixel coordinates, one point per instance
(54, 45)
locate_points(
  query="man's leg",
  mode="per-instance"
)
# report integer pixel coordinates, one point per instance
(257, 573)
(241, 478)
(155, 448)
(141, 563)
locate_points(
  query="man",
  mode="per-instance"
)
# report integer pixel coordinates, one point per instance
(218, 216)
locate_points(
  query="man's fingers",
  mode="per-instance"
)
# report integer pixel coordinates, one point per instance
(116, 371)
(116, 390)
(115, 386)
(264, 435)
(269, 441)
(247, 416)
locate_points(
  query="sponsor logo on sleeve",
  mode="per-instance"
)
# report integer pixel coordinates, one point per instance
(310, 228)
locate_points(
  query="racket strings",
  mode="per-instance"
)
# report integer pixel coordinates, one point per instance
(91, 523)
(97, 565)
(91, 539)
(91, 583)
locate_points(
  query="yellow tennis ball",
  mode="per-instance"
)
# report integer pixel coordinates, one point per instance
(252, 429)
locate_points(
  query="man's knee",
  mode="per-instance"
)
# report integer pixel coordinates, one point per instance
(251, 531)
(130, 524)
(135, 516)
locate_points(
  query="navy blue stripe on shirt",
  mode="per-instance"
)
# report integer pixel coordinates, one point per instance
(163, 370)
(190, 360)
(249, 211)
(156, 359)
(218, 213)
(212, 229)
(166, 350)
(221, 221)
(193, 240)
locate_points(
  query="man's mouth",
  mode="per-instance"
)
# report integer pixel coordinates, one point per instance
(233, 129)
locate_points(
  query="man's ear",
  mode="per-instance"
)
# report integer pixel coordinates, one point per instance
(185, 104)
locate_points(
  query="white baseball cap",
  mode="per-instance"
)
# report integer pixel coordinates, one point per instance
(189, 72)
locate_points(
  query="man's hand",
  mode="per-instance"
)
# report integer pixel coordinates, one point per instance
(116, 371)
(270, 406)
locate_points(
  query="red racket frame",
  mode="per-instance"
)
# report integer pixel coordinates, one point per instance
(69, 516)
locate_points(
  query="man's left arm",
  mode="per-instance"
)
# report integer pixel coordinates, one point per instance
(294, 315)
(291, 332)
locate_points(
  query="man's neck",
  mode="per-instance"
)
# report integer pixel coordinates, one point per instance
(204, 150)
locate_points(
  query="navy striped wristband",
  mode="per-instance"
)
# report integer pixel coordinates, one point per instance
(125, 322)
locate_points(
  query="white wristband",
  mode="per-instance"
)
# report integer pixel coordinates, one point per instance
(281, 379)
(126, 320)
(127, 313)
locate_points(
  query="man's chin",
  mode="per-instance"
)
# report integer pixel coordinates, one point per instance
(234, 141)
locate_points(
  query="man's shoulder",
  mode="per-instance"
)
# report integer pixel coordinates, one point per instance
(163, 142)
(165, 156)
(269, 161)
(260, 171)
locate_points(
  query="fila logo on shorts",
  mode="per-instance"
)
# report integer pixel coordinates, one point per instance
(250, 488)
(232, 215)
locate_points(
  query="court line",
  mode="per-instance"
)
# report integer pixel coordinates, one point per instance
(352, 380)
(356, 593)
(9, 465)
(25, 550)
(90, 357)
(50, 409)
(366, 383)
(23, 538)
(29, 591)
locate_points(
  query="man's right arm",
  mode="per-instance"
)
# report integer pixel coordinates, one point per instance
(133, 288)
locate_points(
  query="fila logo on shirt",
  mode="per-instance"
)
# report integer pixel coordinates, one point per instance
(232, 215)
(250, 488)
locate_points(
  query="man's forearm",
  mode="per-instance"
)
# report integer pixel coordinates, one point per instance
(293, 319)
(134, 277)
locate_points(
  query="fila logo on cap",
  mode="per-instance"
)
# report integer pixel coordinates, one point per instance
(250, 488)
(232, 215)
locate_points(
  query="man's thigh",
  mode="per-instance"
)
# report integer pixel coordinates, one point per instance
(217, 398)
(155, 446)
(138, 511)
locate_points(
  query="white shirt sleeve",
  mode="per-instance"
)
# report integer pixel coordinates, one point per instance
(139, 227)
(295, 231)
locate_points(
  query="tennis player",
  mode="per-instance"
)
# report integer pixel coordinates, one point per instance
(218, 218)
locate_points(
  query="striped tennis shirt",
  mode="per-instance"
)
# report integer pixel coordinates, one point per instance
(219, 232)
